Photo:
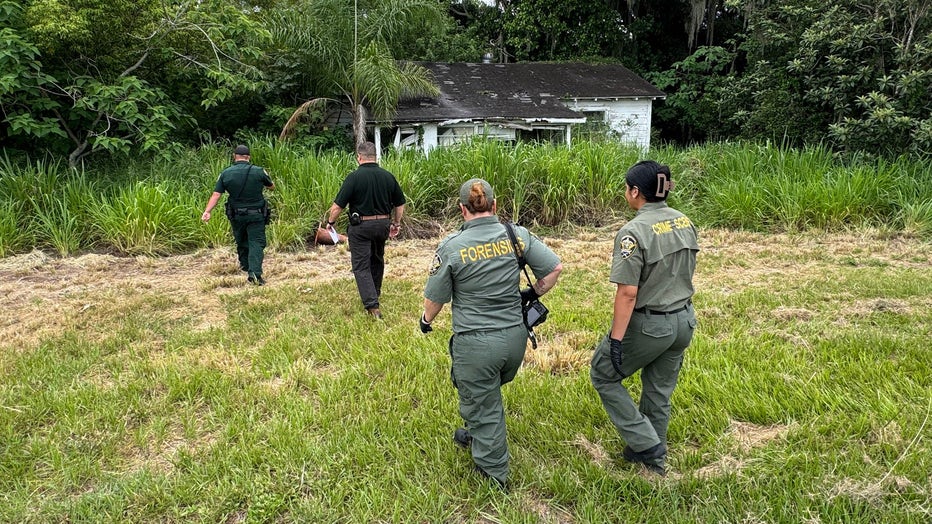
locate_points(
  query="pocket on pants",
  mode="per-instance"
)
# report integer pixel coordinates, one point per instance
(657, 326)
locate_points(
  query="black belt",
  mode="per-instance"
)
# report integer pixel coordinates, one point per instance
(247, 211)
(375, 217)
(654, 312)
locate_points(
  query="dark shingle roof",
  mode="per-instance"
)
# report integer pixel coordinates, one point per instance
(528, 91)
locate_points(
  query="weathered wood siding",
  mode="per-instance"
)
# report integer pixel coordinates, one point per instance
(629, 118)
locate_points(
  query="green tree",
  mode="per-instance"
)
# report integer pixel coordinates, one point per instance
(855, 72)
(561, 29)
(693, 87)
(331, 50)
(92, 75)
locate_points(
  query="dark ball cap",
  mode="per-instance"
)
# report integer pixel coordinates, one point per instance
(652, 179)
(241, 150)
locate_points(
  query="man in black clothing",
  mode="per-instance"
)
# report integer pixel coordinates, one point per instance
(371, 193)
(246, 209)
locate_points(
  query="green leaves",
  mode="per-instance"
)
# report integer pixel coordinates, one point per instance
(857, 65)
(338, 49)
(380, 81)
(106, 76)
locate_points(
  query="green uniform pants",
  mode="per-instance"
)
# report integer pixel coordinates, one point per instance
(249, 234)
(653, 344)
(482, 362)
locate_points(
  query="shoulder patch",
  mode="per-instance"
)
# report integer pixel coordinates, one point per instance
(435, 264)
(627, 246)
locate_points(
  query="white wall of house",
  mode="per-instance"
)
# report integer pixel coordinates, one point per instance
(630, 118)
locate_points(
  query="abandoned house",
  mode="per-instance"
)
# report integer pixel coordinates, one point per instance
(523, 101)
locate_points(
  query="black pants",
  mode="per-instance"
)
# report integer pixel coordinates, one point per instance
(367, 256)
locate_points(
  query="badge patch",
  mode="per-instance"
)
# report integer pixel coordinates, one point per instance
(627, 246)
(435, 265)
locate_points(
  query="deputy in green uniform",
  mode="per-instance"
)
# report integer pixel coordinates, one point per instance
(476, 268)
(246, 209)
(653, 263)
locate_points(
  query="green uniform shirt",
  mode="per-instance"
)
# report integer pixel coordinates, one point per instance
(656, 251)
(244, 182)
(370, 190)
(477, 269)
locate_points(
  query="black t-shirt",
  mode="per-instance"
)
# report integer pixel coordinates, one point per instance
(370, 190)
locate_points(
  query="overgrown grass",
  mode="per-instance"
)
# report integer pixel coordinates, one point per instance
(153, 207)
(804, 397)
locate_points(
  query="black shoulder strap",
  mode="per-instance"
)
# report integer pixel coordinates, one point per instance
(245, 179)
(509, 227)
(519, 253)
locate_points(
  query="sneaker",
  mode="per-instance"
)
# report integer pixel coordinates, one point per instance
(375, 313)
(651, 458)
(256, 279)
(462, 438)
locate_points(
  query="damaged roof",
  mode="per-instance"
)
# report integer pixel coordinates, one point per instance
(522, 91)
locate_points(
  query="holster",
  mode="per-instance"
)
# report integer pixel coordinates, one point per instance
(267, 213)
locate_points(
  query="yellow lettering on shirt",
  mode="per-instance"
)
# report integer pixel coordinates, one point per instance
(668, 226)
(485, 251)
(663, 227)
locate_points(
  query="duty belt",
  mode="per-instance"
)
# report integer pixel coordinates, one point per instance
(655, 312)
(247, 211)
(375, 217)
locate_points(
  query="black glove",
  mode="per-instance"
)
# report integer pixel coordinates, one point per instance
(528, 295)
(615, 354)
(425, 325)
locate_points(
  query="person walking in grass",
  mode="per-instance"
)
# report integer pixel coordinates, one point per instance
(246, 209)
(372, 194)
(653, 262)
(477, 269)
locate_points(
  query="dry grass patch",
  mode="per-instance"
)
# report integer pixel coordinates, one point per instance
(229, 360)
(789, 314)
(746, 438)
(862, 490)
(595, 451)
(158, 455)
(562, 353)
(545, 510)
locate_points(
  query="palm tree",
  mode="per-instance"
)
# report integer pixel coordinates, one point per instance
(334, 49)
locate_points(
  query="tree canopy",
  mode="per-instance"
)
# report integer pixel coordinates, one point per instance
(90, 75)
(84, 76)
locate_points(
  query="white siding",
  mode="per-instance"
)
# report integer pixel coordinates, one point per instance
(430, 138)
(629, 118)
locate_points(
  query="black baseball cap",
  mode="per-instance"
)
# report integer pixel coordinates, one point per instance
(651, 178)
(241, 150)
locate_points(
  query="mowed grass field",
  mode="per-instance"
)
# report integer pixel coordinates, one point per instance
(164, 389)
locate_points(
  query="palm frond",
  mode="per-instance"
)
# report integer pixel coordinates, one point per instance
(381, 81)
(300, 112)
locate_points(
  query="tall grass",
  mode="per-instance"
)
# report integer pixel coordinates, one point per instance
(153, 206)
(147, 218)
(764, 188)
(15, 236)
